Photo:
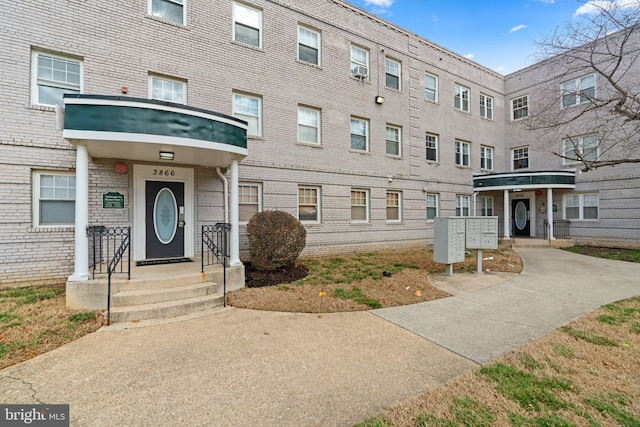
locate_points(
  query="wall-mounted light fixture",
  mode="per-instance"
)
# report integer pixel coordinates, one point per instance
(379, 100)
(166, 155)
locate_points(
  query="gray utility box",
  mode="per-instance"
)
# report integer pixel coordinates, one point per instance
(448, 239)
(482, 232)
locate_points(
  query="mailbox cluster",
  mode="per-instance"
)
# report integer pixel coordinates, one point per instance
(453, 235)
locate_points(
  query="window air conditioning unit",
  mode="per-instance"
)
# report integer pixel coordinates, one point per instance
(361, 72)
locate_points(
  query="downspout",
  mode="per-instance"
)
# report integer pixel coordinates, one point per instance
(226, 194)
(475, 194)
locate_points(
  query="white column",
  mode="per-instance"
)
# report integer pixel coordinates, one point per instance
(550, 212)
(234, 216)
(505, 214)
(81, 256)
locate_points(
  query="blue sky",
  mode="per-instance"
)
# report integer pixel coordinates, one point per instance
(498, 34)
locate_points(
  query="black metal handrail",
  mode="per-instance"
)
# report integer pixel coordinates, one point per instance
(216, 239)
(560, 229)
(104, 241)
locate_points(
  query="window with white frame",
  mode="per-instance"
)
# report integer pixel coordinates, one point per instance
(167, 89)
(431, 87)
(54, 199)
(359, 134)
(581, 206)
(461, 98)
(359, 205)
(520, 158)
(359, 62)
(308, 45)
(432, 206)
(309, 204)
(486, 206)
(53, 76)
(249, 200)
(578, 91)
(247, 24)
(249, 109)
(169, 10)
(462, 205)
(486, 107)
(394, 140)
(462, 153)
(392, 73)
(308, 125)
(432, 147)
(486, 157)
(520, 107)
(579, 148)
(394, 206)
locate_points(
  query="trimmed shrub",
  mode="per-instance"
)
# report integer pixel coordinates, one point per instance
(276, 239)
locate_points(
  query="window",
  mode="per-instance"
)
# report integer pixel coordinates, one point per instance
(166, 89)
(487, 206)
(462, 153)
(394, 140)
(359, 134)
(462, 205)
(169, 10)
(431, 87)
(308, 45)
(248, 108)
(579, 90)
(359, 205)
(581, 147)
(520, 107)
(461, 98)
(392, 73)
(53, 76)
(54, 201)
(520, 158)
(359, 62)
(249, 200)
(486, 158)
(309, 204)
(432, 147)
(581, 206)
(486, 107)
(432, 206)
(308, 125)
(394, 206)
(247, 25)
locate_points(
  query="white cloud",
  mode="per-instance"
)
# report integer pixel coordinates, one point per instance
(500, 69)
(518, 28)
(469, 56)
(594, 7)
(379, 3)
(547, 1)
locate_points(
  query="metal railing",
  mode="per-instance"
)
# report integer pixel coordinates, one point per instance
(215, 238)
(110, 245)
(501, 229)
(560, 229)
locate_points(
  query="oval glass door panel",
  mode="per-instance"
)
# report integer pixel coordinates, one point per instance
(521, 215)
(165, 216)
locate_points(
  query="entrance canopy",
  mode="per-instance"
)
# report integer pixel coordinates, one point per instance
(136, 129)
(527, 180)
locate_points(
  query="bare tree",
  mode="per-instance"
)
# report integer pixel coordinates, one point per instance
(592, 102)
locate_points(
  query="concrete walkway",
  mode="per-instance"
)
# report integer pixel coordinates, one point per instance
(241, 367)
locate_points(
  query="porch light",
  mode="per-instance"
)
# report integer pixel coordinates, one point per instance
(379, 100)
(166, 155)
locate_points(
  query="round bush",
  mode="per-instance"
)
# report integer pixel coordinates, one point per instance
(276, 239)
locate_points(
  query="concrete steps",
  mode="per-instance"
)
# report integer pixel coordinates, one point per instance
(151, 296)
(541, 243)
(159, 310)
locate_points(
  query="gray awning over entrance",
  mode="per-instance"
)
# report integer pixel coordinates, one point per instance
(524, 180)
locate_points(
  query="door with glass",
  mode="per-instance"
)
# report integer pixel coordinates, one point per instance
(164, 219)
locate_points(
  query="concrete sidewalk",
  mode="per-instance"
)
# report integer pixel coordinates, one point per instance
(241, 367)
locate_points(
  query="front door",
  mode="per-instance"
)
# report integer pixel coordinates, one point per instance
(520, 215)
(164, 219)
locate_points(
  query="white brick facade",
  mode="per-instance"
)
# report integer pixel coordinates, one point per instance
(120, 44)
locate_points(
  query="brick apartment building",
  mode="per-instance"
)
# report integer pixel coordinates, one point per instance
(362, 130)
